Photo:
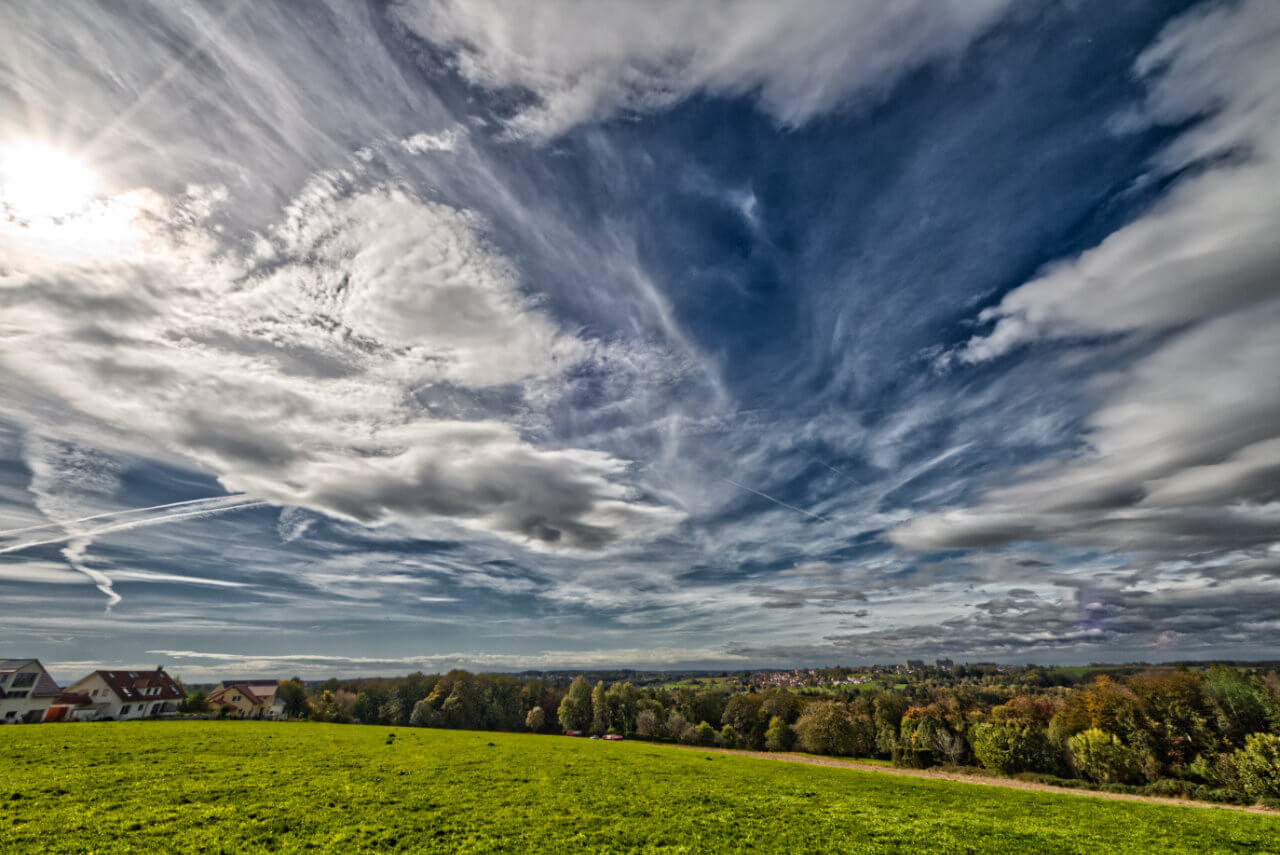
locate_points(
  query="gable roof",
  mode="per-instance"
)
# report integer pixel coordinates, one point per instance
(256, 693)
(134, 685)
(44, 686)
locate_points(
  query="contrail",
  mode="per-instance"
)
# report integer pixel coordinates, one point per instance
(124, 526)
(777, 501)
(175, 68)
(210, 499)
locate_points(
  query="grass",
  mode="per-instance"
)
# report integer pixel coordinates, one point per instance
(249, 786)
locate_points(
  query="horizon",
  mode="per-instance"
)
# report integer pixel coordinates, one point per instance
(232, 675)
(426, 334)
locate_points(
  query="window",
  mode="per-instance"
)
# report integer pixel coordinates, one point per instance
(10, 713)
(24, 680)
(124, 710)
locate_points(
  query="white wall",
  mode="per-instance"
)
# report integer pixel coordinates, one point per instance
(13, 710)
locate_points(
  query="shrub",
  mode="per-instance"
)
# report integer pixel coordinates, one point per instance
(1009, 747)
(728, 737)
(705, 734)
(1258, 766)
(1102, 757)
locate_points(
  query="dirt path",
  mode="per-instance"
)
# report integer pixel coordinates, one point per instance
(969, 778)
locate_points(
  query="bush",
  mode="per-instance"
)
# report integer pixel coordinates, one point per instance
(1258, 766)
(1102, 757)
(728, 737)
(1009, 747)
(705, 734)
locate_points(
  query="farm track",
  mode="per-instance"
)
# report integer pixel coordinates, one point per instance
(970, 778)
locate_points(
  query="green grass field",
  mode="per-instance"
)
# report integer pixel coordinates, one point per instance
(244, 786)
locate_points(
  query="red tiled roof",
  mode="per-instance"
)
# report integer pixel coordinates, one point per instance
(72, 699)
(141, 685)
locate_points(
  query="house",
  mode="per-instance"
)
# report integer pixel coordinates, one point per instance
(26, 691)
(130, 694)
(74, 706)
(256, 699)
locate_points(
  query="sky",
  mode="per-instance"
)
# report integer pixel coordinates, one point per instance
(345, 338)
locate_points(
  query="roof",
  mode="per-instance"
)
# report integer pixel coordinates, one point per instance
(44, 686)
(72, 699)
(9, 665)
(131, 685)
(258, 693)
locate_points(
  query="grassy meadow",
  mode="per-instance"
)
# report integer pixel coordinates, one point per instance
(247, 786)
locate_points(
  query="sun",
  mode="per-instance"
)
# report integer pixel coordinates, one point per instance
(40, 182)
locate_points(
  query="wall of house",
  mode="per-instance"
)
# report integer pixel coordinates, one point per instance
(14, 710)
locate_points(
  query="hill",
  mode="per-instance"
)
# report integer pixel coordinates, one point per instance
(244, 786)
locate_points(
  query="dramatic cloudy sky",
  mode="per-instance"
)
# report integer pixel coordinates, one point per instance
(362, 337)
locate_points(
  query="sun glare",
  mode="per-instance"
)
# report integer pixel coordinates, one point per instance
(38, 181)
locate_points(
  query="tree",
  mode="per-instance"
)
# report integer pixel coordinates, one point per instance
(676, 724)
(705, 734)
(366, 708)
(294, 698)
(575, 709)
(1241, 706)
(195, 702)
(1258, 765)
(728, 737)
(536, 719)
(778, 735)
(1010, 747)
(1102, 757)
(646, 723)
(826, 728)
(599, 709)
(422, 715)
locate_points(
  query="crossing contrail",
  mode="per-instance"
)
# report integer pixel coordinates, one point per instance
(777, 501)
(131, 524)
(120, 513)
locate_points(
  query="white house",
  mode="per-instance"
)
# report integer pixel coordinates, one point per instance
(26, 691)
(124, 695)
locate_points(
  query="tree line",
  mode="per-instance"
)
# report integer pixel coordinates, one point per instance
(1210, 734)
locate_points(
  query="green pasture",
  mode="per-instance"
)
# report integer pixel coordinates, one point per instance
(213, 786)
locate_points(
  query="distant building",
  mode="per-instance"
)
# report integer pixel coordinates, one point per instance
(26, 691)
(915, 663)
(259, 699)
(944, 663)
(130, 694)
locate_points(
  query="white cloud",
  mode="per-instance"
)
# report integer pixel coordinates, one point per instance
(1209, 246)
(587, 61)
(1182, 449)
(301, 375)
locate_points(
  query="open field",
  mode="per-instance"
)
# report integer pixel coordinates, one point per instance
(243, 786)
